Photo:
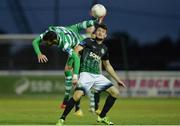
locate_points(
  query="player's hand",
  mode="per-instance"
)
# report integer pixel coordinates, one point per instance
(90, 30)
(121, 84)
(100, 19)
(75, 79)
(42, 58)
(74, 82)
(93, 36)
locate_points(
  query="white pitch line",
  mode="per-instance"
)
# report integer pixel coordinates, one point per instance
(88, 125)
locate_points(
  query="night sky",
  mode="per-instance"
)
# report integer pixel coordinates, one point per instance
(145, 20)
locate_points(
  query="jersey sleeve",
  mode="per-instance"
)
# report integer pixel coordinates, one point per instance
(84, 36)
(106, 55)
(85, 43)
(66, 48)
(36, 42)
(83, 25)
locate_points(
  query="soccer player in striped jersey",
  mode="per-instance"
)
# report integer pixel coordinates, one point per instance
(66, 39)
(93, 52)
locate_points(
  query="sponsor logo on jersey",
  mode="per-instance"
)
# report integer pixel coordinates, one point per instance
(96, 57)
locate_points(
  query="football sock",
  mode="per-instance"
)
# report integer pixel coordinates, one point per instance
(91, 97)
(77, 105)
(96, 100)
(68, 86)
(107, 106)
(70, 104)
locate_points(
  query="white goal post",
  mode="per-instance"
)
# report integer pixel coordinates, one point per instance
(17, 36)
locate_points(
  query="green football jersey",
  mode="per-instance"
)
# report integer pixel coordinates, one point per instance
(68, 37)
(92, 55)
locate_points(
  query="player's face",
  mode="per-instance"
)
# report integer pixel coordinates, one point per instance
(101, 33)
(50, 43)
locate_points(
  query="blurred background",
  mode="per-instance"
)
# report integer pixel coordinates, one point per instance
(143, 40)
(144, 46)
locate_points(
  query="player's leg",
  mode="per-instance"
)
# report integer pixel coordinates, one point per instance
(68, 81)
(94, 97)
(68, 86)
(69, 106)
(71, 103)
(96, 101)
(102, 83)
(78, 111)
(84, 85)
(113, 95)
(92, 101)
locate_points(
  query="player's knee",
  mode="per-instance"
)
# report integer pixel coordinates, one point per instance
(78, 94)
(113, 91)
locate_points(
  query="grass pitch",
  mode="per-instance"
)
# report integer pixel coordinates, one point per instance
(44, 110)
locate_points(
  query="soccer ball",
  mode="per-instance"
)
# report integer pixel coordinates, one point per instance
(98, 10)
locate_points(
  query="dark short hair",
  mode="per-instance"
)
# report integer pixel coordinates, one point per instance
(102, 25)
(50, 36)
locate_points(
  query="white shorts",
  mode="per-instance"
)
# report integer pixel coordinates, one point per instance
(95, 81)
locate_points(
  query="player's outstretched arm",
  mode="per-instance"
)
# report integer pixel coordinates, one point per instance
(76, 66)
(84, 25)
(36, 42)
(78, 48)
(100, 19)
(111, 71)
(41, 58)
(76, 60)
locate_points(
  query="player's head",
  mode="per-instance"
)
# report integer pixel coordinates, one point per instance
(101, 32)
(50, 38)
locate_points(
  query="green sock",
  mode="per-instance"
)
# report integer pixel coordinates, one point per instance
(68, 85)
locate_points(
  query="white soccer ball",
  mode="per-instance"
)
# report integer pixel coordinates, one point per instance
(98, 10)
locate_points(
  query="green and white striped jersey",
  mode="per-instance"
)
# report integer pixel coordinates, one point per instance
(70, 36)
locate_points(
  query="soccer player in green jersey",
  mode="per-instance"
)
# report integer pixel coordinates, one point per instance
(66, 39)
(93, 52)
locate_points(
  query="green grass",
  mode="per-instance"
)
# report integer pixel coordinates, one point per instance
(28, 110)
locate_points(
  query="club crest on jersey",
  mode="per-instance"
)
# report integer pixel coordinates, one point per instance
(102, 51)
(93, 47)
